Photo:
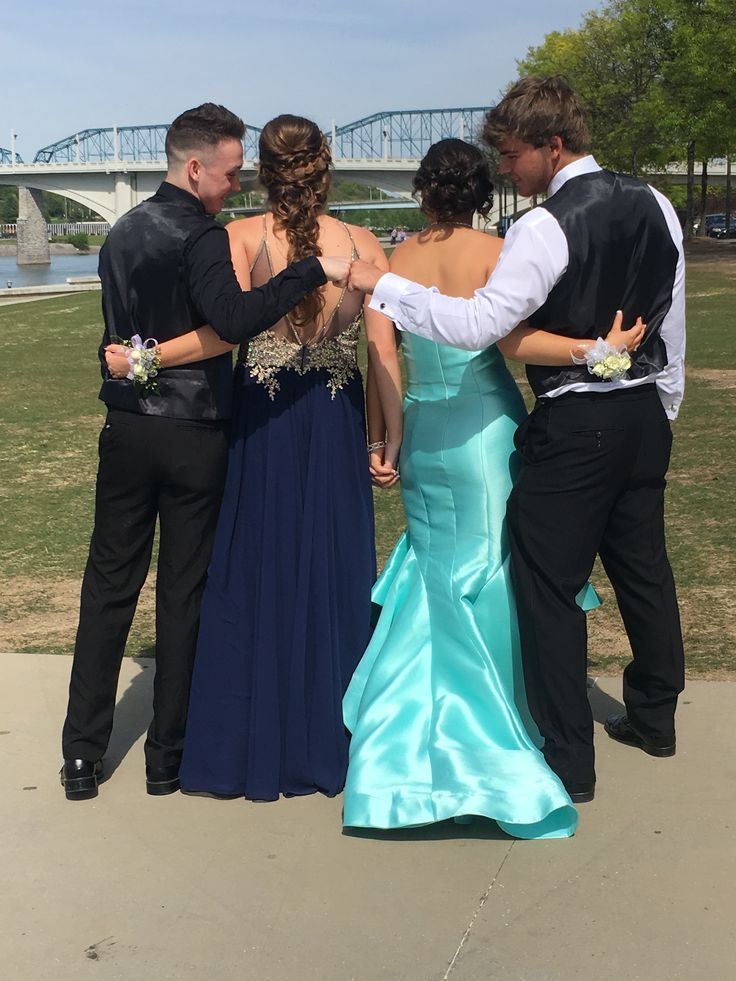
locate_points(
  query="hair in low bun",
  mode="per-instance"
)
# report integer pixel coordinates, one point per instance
(453, 179)
(294, 168)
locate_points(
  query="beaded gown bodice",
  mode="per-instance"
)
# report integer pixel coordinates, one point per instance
(330, 345)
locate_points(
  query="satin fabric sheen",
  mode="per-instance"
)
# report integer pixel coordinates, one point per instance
(439, 722)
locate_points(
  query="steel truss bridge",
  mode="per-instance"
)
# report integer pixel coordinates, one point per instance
(396, 135)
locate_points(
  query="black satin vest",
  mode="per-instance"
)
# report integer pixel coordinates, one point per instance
(144, 291)
(621, 256)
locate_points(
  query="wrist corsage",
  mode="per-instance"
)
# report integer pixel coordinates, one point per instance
(605, 362)
(144, 358)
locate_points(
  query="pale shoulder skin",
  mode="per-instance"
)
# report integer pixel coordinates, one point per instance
(453, 259)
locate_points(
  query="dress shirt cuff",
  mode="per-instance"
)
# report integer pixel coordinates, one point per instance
(311, 272)
(670, 404)
(387, 295)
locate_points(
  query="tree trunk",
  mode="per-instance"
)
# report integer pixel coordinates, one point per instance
(690, 207)
(728, 194)
(703, 197)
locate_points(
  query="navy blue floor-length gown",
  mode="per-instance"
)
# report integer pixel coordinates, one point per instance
(286, 612)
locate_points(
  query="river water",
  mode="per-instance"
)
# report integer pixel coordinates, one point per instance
(61, 266)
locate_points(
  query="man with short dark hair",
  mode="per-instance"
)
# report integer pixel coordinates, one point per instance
(595, 452)
(165, 271)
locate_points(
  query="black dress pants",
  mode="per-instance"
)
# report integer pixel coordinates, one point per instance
(150, 467)
(592, 481)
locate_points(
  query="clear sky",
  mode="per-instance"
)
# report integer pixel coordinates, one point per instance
(77, 64)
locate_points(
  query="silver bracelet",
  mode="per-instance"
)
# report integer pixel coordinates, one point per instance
(379, 445)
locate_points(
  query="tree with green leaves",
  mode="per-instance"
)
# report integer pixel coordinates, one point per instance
(699, 80)
(8, 205)
(614, 61)
(659, 81)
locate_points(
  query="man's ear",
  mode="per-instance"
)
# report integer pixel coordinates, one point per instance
(556, 147)
(193, 169)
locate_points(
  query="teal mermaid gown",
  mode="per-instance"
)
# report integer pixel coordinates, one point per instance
(436, 708)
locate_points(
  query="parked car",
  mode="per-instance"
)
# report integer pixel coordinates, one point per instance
(717, 229)
(711, 220)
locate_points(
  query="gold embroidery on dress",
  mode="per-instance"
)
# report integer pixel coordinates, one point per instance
(268, 353)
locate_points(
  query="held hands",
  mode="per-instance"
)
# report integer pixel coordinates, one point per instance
(383, 466)
(363, 276)
(116, 358)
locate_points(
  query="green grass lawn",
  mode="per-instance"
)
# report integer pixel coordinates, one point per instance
(51, 417)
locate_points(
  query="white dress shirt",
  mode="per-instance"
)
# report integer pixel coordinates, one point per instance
(533, 259)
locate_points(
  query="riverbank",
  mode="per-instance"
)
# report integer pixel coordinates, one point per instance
(26, 294)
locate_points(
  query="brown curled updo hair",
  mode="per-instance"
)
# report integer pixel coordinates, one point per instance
(294, 168)
(453, 179)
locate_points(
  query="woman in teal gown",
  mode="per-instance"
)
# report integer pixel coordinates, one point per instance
(436, 708)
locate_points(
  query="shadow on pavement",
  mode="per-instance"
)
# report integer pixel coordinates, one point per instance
(603, 704)
(480, 828)
(132, 716)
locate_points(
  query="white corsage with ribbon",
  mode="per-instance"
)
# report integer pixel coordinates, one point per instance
(605, 361)
(144, 359)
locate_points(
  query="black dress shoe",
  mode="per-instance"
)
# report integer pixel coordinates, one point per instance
(162, 780)
(581, 793)
(79, 778)
(618, 727)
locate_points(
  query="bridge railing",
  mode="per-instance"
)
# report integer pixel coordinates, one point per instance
(56, 228)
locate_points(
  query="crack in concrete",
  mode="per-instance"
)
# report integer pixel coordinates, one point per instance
(476, 914)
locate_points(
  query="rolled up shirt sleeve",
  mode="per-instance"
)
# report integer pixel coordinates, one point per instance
(533, 258)
(237, 315)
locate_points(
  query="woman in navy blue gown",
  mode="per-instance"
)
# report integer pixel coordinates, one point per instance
(286, 612)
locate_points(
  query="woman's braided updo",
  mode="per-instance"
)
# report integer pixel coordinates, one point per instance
(294, 168)
(453, 179)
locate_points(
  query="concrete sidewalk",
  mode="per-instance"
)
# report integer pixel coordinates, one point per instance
(135, 887)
